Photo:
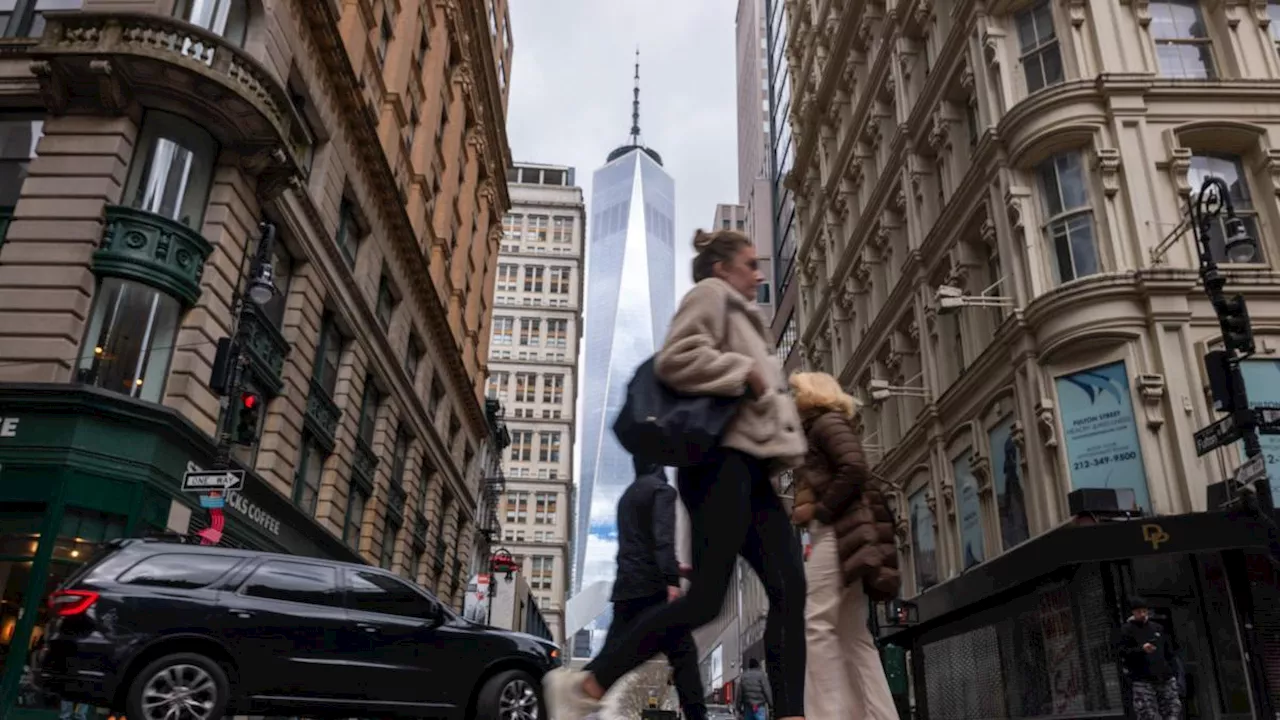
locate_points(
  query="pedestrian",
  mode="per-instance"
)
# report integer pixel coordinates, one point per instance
(649, 575)
(1149, 658)
(853, 561)
(718, 345)
(754, 696)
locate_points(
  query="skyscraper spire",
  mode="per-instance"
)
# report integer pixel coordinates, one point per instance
(635, 104)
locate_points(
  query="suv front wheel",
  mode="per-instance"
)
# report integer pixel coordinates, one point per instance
(510, 695)
(182, 686)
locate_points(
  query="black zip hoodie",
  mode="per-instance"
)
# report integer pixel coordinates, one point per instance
(1143, 666)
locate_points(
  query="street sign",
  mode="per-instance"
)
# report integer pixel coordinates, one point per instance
(1268, 420)
(205, 481)
(1212, 437)
(1253, 469)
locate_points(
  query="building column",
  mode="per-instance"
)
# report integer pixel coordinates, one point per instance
(46, 284)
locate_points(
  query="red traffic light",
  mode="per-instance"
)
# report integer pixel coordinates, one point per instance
(249, 401)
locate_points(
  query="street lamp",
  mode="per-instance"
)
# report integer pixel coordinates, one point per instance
(227, 377)
(881, 390)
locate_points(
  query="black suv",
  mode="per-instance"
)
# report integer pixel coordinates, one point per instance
(183, 632)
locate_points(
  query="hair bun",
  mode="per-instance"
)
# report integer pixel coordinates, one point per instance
(702, 240)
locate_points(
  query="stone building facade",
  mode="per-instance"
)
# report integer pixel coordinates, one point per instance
(1041, 156)
(144, 142)
(533, 372)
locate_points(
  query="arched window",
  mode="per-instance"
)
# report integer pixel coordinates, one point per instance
(130, 338)
(226, 18)
(173, 169)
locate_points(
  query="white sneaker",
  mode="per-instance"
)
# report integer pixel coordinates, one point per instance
(562, 691)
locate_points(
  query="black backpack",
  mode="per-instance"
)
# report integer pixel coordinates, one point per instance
(663, 427)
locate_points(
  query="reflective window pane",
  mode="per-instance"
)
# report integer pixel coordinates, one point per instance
(173, 169)
(296, 582)
(18, 139)
(130, 339)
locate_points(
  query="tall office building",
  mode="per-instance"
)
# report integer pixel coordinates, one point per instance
(630, 300)
(755, 191)
(782, 201)
(533, 372)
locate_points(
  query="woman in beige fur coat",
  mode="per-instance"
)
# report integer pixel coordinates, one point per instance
(718, 345)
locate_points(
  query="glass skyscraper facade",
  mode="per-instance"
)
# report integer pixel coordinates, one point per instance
(782, 147)
(630, 301)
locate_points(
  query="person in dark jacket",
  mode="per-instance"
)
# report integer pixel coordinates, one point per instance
(1150, 660)
(754, 695)
(649, 575)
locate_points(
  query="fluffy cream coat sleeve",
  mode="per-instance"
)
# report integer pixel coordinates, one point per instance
(691, 361)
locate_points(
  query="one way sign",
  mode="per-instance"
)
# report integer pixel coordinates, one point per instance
(207, 480)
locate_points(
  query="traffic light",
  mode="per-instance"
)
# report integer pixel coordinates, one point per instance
(247, 416)
(1237, 332)
(223, 363)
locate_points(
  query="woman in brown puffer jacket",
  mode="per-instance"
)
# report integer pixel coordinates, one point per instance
(853, 558)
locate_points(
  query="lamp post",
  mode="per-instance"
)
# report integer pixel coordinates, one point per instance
(1207, 207)
(229, 366)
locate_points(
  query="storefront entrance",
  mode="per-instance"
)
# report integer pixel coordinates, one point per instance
(84, 467)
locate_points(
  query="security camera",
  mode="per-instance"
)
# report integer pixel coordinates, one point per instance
(949, 298)
(879, 390)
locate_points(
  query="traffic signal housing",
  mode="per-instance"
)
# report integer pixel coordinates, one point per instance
(248, 415)
(1237, 332)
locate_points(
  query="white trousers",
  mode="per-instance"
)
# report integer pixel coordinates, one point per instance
(844, 677)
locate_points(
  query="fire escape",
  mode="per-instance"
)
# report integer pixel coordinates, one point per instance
(494, 482)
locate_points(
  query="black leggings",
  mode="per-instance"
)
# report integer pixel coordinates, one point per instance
(733, 510)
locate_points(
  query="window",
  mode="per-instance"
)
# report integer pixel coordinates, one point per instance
(175, 570)
(512, 226)
(377, 593)
(502, 330)
(553, 388)
(412, 358)
(30, 21)
(226, 18)
(368, 410)
(1041, 54)
(400, 456)
(562, 230)
(328, 356)
(544, 504)
(1231, 170)
(1069, 217)
(18, 139)
(533, 278)
(549, 447)
(386, 301)
(522, 445)
(536, 230)
(348, 235)
(296, 582)
(1183, 47)
(1273, 14)
(384, 34)
(508, 277)
(529, 331)
(526, 387)
(517, 506)
(437, 395)
(389, 542)
(725, 223)
(306, 483)
(559, 284)
(353, 522)
(762, 293)
(455, 427)
(498, 383)
(557, 333)
(541, 572)
(129, 339)
(172, 169)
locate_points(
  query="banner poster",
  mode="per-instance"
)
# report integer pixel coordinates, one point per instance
(475, 606)
(1011, 499)
(970, 512)
(1262, 382)
(1102, 445)
(924, 543)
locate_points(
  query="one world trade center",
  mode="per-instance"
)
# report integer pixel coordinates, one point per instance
(630, 299)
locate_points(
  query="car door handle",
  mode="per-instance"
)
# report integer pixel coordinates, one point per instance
(242, 614)
(367, 627)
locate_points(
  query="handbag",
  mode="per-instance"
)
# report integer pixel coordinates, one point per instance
(670, 429)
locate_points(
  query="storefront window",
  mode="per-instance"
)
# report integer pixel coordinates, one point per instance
(173, 169)
(129, 340)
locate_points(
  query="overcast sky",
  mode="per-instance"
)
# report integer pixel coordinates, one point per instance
(571, 80)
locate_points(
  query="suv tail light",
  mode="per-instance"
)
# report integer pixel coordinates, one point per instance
(71, 602)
